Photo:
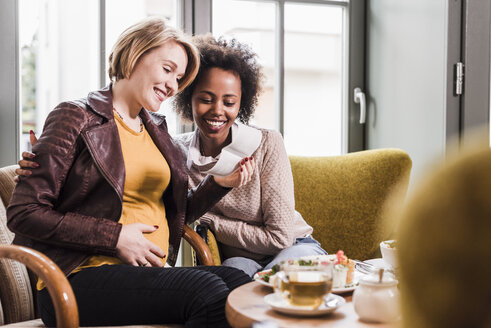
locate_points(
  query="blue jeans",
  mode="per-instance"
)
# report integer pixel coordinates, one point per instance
(301, 247)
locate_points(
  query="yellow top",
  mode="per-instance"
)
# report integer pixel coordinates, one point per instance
(147, 177)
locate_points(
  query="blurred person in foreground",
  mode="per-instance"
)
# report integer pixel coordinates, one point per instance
(444, 246)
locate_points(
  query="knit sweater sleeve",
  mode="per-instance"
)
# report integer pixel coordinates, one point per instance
(277, 205)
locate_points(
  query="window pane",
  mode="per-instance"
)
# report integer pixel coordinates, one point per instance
(120, 14)
(254, 26)
(313, 79)
(59, 49)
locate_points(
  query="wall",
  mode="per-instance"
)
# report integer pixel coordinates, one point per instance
(406, 78)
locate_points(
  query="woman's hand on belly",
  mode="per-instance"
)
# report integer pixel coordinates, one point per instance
(133, 248)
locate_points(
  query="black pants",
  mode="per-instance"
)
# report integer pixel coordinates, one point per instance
(129, 295)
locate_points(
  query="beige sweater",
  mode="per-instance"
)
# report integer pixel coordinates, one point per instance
(258, 219)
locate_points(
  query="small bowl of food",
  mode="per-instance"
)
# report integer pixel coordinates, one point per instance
(388, 249)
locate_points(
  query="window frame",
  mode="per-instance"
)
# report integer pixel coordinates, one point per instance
(198, 20)
(195, 18)
(10, 83)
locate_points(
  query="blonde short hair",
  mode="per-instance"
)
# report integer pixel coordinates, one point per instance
(141, 38)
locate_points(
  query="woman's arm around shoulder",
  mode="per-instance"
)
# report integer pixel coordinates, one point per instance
(54, 150)
(31, 211)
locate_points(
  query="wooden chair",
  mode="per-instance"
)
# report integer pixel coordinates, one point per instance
(17, 304)
(343, 197)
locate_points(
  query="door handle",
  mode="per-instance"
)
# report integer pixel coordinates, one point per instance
(359, 98)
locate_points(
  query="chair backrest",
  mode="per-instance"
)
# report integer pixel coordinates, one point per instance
(342, 197)
(444, 245)
(16, 296)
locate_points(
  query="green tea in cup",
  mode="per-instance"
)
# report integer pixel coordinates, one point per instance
(304, 283)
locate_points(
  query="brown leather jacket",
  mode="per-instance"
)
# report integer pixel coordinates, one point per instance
(69, 207)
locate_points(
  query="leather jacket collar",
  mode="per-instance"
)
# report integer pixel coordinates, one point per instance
(101, 102)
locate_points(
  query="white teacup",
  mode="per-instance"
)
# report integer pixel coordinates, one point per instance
(389, 252)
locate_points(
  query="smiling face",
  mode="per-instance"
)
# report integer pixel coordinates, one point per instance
(157, 73)
(215, 102)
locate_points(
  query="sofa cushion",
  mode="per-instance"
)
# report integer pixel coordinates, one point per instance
(343, 197)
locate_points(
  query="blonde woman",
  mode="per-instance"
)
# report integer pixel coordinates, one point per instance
(109, 198)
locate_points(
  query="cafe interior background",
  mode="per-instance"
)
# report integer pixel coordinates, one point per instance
(341, 76)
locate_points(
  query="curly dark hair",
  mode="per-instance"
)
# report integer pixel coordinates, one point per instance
(229, 55)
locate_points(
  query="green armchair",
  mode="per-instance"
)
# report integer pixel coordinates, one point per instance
(342, 198)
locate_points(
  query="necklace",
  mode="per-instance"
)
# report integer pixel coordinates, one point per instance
(121, 117)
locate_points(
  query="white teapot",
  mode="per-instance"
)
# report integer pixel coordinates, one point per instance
(377, 298)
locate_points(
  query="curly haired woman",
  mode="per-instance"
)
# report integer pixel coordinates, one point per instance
(256, 224)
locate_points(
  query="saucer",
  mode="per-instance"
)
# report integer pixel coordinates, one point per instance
(278, 303)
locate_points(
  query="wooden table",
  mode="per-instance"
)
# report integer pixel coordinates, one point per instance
(245, 305)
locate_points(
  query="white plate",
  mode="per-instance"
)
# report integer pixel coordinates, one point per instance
(262, 282)
(257, 277)
(348, 287)
(345, 289)
(278, 303)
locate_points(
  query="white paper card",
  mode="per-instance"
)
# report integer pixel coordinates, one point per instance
(245, 141)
